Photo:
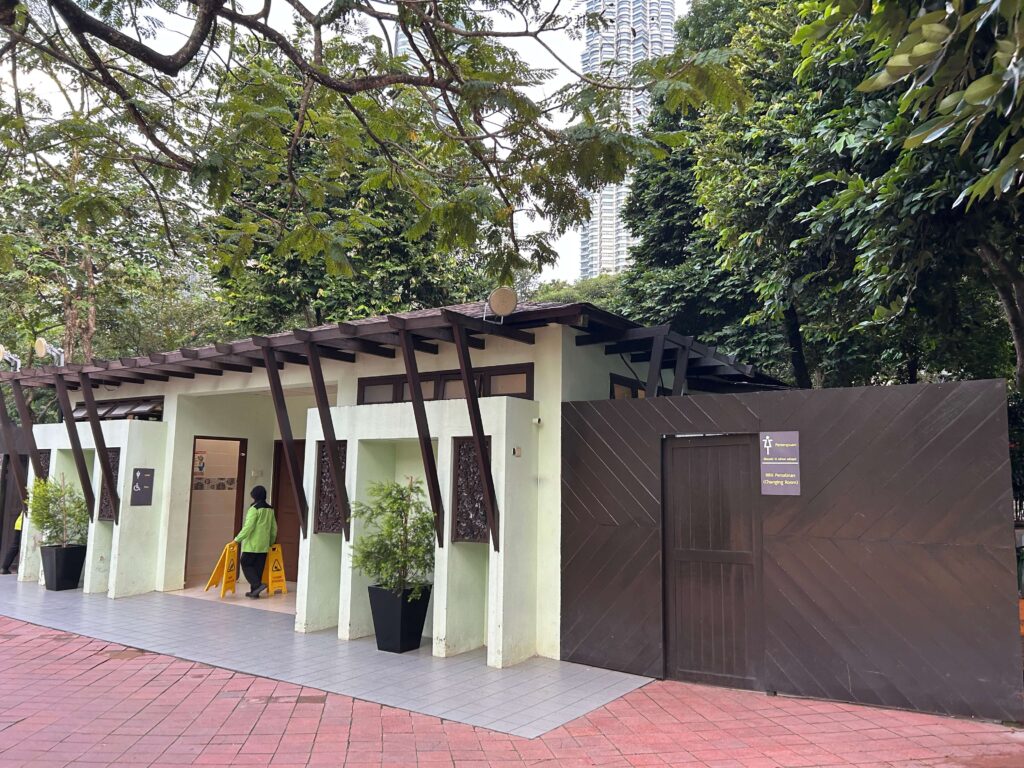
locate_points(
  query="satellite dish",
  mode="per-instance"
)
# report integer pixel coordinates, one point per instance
(503, 301)
(40, 347)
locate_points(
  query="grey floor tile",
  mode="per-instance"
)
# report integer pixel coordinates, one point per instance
(528, 699)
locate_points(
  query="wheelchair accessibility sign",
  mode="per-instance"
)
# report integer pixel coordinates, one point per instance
(142, 487)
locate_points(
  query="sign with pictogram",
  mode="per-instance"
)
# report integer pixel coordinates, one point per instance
(273, 572)
(142, 487)
(226, 572)
(780, 463)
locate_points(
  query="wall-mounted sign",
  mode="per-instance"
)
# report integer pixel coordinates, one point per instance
(199, 463)
(142, 487)
(780, 463)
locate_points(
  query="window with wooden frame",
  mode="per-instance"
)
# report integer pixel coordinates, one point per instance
(624, 388)
(514, 380)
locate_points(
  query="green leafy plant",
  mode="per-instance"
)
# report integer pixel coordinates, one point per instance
(397, 550)
(59, 513)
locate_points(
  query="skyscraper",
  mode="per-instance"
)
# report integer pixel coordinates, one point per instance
(636, 30)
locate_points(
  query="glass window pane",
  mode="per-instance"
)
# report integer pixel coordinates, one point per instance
(378, 393)
(453, 390)
(621, 392)
(428, 391)
(508, 384)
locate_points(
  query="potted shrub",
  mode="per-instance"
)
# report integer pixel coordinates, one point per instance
(59, 515)
(397, 552)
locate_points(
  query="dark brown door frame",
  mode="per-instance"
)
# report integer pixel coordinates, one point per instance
(758, 609)
(243, 450)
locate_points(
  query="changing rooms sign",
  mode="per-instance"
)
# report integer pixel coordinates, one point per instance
(780, 463)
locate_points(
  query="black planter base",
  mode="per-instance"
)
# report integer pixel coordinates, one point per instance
(397, 622)
(62, 566)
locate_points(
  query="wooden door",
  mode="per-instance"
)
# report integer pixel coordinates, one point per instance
(713, 625)
(288, 530)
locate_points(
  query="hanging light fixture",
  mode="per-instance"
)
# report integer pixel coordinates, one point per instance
(10, 358)
(43, 348)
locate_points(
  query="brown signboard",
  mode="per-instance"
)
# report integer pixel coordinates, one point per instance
(142, 487)
(780, 463)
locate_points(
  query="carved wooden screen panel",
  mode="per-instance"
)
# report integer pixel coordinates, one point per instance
(328, 517)
(44, 463)
(106, 508)
(468, 508)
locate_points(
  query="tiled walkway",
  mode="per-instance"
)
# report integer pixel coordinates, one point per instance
(527, 699)
(67, 700)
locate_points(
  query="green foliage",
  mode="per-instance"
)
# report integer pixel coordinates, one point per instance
(958, 65)
(601, 291)
(799, 234)
(456, 130)
(58, 513)
(396, 548)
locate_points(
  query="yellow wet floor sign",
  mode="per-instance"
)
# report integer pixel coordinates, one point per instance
(226, 572)
(273, 572)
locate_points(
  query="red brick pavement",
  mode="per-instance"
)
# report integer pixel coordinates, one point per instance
(67, 700)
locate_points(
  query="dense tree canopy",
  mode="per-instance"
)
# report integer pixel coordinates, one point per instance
(466, 126)
(784, 232)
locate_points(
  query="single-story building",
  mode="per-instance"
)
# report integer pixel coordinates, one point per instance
(603, 492)
(389, 395)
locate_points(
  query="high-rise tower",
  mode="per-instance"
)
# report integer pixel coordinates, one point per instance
(636, 30)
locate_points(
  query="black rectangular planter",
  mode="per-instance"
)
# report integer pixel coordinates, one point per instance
(397, 622)
(62, 566)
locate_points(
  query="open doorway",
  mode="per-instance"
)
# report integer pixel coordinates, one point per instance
(215, 503)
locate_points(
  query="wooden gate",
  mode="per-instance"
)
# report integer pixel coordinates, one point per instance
(713, 630)
(890, 579)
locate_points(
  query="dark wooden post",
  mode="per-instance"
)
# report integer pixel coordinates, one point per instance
(11, 449)
(25, 414)
(476, 424)
(682, 366)
(654, 370)
(422, 427)
(291, 461)
(76, 444)
(100, 443)
(323, 406)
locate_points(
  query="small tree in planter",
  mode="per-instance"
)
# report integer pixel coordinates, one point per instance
(397, 553)
(59, 515)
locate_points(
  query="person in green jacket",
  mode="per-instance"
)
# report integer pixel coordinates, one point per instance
(257, 535)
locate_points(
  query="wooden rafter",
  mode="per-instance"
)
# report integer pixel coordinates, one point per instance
(419, 411)
(100, 443)
(76, 444)
(476, 424)
(323, 407)
(11, 449)
(25, 414)
(291, 461)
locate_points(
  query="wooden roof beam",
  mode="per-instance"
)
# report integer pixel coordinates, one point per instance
(477, 325)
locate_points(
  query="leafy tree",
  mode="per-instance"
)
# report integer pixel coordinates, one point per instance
(918, 208)
(397, 550)
(779, 228)
(58, 512)
(601, 291)
(454, 126)
(959, 65)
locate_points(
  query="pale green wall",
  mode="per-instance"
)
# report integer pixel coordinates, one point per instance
(134, 551)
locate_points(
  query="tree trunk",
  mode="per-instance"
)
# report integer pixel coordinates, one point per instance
(89, 325)
(796, 347)
(1009, 284)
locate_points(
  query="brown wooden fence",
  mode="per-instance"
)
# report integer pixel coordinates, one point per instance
(889, 580)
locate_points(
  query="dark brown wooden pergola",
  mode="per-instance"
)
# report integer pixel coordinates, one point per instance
(465, 326)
